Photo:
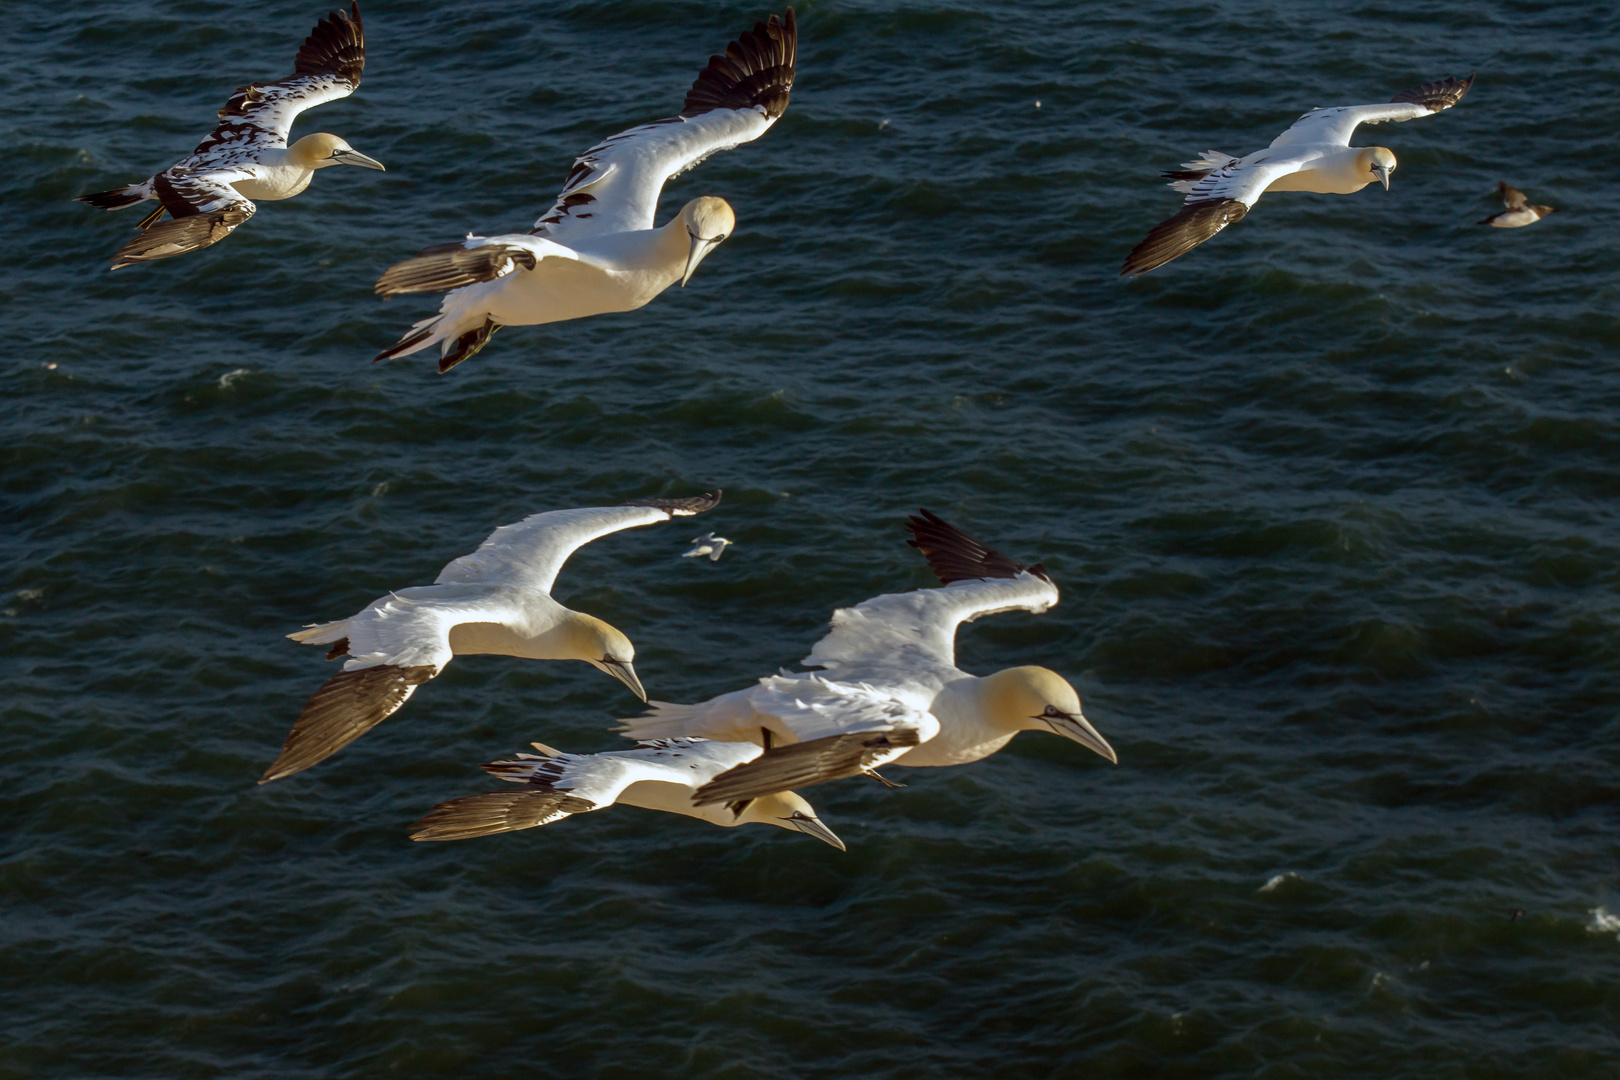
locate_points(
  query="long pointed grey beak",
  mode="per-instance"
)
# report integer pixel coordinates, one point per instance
(355, 157)
(694, 255)
(625, 674)
(1383, 174)
(813, 827)
(1077, 727)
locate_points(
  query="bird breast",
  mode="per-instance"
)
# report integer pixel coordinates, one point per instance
(276, 182)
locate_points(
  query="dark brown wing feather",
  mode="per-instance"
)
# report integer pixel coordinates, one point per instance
(757, 69)
(695, 504)
(803, 765)
(495, 812)
(347, 705)
(337, 46)
(1195, 223)
(180, 236)
(1512, 197)
(1435, 96)
(955, 556)
(450, 266)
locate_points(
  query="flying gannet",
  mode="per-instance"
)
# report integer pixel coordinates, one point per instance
(496, 600)
(247, 157)
(1313, 155)
(1519, 212)
(657, 775)
(890, 688)
(708, 544)
(597, 250)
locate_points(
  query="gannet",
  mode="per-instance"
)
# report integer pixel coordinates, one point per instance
(496, 600)
(1313, 155)
(247, 157)
(596, 250)
(708, 544)
(656, 775)
(889, 687)
(1519, 212)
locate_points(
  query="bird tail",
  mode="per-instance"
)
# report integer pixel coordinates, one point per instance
(322, 633)
(117, 198)
(456, 342)
(1191, 172)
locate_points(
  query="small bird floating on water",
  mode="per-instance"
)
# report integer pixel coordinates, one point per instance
(247, 157)
(708, 544)
(1519, 212)
(889, 688)
(597, 250)
(496, 600)
(656, 775)
(1313, 155)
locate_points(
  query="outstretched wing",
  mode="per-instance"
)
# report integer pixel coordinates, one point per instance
(1512, 197)
(531, 552)
(259, 116)
(614, 186)
(467, 262)
(1336, 125)
(916, 631)
(1214, 201)
(204, 208)
(839, 730)
(395, 645)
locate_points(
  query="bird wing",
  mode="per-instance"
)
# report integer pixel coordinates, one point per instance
(467, 262)
(1336, 125)
(842, 729)
(916, 631)
(1213, 202)
(614, 186)
(258, 116)
(204, 209)
(562, 784)
(531, 552)
(396, 644)
(1512, 197)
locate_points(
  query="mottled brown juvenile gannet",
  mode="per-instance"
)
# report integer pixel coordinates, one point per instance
(210, 193)
(1519, 212)
(1313, 155)
(597, 250)
(889, 688)
(657, 775)
(496, 600)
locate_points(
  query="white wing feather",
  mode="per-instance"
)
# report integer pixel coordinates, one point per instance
(1337, 124)
(614, 186)
(530, 553)
(916, 631)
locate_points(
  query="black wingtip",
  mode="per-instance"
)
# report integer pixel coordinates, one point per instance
(756, 71)
(955, 556)
(686, 507)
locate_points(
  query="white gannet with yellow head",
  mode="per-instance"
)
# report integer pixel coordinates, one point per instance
(598, 249)
(889, 688)
(656, 775)
(210, 193)
(1313, 155)
(496, 600)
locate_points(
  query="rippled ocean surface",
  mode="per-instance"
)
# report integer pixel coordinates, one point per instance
(1332, 502)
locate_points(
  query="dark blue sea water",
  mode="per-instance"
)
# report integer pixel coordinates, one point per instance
(1332, 502)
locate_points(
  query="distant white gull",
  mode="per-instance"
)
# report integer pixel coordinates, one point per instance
(890, 688)
(597, 250)
(1313, 155)
(708, 544)
(1519, 212)
(247, 157)
(658, 775)
(496, 600)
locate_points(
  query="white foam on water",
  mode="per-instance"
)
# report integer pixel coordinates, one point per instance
(1603, 922)
(1272, 884)
(229, 377)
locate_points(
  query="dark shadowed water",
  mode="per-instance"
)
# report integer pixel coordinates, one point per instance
(1331, 501)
